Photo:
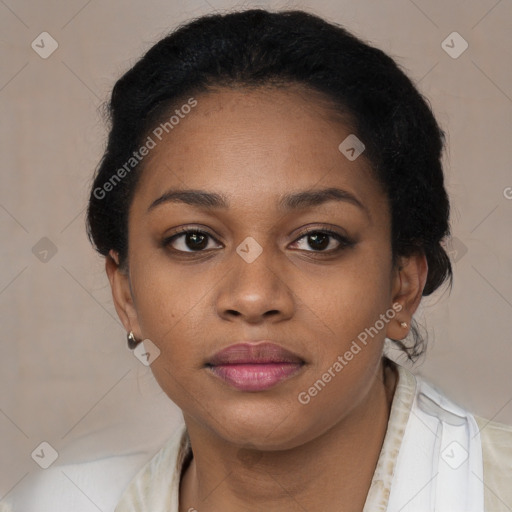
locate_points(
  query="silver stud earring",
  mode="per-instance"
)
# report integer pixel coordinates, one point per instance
(403, 325)
(132, 341)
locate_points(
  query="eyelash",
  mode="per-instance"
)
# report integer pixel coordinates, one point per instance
(343, 241)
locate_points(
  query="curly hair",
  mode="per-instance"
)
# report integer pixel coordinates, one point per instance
(254, 48)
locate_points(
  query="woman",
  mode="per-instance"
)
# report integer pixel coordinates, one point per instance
(271, 208)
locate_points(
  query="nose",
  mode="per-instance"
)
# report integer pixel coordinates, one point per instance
(256, 291)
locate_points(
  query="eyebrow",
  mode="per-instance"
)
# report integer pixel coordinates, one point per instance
(295, 201)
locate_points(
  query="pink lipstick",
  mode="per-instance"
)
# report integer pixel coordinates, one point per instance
(254, 367)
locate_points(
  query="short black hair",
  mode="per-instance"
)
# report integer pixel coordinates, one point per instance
(257, 47)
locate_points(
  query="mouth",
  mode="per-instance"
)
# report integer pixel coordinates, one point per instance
(254, 367)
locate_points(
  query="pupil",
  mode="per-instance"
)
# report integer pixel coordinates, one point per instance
(324, 241)
(195, 237)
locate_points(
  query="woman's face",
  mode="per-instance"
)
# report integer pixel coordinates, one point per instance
(253, 273)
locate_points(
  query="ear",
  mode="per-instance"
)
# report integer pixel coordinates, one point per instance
(409, 281)
(122, 294)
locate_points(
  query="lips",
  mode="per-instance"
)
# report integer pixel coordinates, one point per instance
(254, 366)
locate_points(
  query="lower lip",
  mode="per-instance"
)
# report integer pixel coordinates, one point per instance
(255, 377)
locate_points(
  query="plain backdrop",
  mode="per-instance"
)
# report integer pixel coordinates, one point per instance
(67, 377)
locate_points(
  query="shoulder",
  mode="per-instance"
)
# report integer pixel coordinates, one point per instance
(156, 485)
(496, 441)
(497, 458)
(496, 436)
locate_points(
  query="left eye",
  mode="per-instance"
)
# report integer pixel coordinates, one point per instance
(322, 241)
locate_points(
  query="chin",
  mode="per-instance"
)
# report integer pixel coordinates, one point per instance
(264, 428)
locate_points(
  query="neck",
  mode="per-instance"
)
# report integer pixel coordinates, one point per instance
(332, 472)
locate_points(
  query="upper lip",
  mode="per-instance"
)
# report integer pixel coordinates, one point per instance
(255, 353)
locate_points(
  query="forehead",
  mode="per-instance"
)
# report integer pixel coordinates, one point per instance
(254, 144)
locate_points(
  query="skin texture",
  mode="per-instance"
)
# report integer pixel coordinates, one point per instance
(265, 450)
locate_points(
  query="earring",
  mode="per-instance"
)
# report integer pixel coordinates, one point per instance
(132, 341)
(403, 325)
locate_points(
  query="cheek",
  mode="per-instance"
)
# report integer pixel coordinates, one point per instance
(353, 295)
(350, 303)
(169, 300)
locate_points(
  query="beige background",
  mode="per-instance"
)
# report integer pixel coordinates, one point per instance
(66, 375)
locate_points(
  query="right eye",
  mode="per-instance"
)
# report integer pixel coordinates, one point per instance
(189, 240)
